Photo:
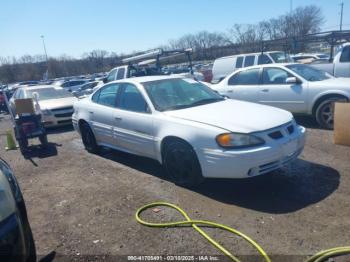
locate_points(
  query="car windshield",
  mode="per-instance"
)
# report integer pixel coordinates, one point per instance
(280, 57)
(49, 93)
(172, 94)
(309, 73)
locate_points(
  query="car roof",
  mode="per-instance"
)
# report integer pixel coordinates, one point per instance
(267, 65)
(142, 79)
(247, 54)
(40, 87)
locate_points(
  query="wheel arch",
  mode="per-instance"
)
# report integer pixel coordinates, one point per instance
(166, 140)
(81, 122)
(326, 96)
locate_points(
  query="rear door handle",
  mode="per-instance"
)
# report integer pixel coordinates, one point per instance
(117, 118)
(91, 112)
(265, 90)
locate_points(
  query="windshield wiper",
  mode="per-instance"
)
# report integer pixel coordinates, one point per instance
(177, 107)
(206, 101)
(197, 103)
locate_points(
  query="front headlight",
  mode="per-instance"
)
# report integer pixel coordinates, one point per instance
(237, 140)
(7, 201)
(46, 112)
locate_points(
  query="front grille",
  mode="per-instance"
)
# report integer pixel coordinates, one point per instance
(64, 121)
(64, 114)
(279, 163)
(62, 109)
(282, 131)
(290, 129)
(276, 135)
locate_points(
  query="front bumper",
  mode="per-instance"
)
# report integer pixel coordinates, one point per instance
(52, 121)
(220, 163)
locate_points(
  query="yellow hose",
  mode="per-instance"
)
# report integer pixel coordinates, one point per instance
(196, 224)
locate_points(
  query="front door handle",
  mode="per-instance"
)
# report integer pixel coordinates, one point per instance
(265, 90)
(117, 118)
(230, 91)
(91, 112)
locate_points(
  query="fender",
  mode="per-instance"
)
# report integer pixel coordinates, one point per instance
(325, 93)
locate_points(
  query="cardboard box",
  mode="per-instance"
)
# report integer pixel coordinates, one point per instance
(24, 106)
(342, 124)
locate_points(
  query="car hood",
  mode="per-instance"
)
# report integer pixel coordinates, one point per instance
(235, 116)
(340, 82)
(57, 103)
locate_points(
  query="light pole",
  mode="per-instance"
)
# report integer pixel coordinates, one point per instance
(341, 15)
(47, 60)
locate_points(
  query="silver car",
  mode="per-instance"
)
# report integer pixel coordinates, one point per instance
(56, 103)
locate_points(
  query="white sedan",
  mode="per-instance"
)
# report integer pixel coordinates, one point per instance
(298, 88)
(193, 131)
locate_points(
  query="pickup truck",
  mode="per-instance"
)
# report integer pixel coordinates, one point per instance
(340, 66)
(148, 64)
(127, 71)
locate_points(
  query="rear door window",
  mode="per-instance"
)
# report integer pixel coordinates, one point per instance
(264, 59)
(249, 60)
(247, 77)
(111, 75)
(239, 62)
(107, 96)
(121, 73)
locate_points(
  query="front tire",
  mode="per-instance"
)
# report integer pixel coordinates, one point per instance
(325, 112)
(181, 164)
(88, 138)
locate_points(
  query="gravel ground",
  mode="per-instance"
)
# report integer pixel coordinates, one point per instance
(81, 206)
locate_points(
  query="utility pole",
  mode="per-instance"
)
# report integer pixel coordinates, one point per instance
(341, 15)
(46, 75)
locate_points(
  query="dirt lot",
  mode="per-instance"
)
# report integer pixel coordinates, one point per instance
(81, 206)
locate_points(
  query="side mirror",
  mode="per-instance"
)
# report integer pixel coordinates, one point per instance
(292, 80)
(104, 80)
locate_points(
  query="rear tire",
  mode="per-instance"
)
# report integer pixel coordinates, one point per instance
(88, 138)
(181, 163)
(325, 112)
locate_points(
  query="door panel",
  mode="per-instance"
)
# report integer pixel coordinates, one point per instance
(134, 130)
(244, 85)
(101, 113)
(102, 123)
(274, 91)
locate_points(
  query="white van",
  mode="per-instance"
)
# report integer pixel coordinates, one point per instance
(223, 66)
